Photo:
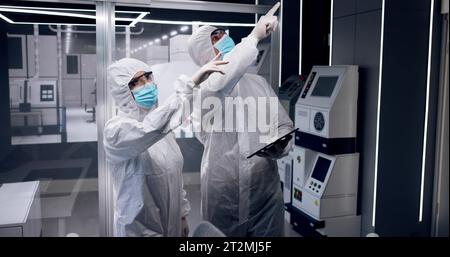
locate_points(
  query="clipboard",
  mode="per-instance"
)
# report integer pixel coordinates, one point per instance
(262, 150)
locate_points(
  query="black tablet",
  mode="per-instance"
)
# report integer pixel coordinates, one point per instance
(262, 150)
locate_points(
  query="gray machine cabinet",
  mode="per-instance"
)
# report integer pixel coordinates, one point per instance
(72, 94)
(48, 62)
(87, 90)
(88, 66)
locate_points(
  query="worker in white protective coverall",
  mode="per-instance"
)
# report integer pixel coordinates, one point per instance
(240, 196)
(143, 157)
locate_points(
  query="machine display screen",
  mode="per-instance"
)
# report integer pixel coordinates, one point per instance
(321, 169)
(325, 86)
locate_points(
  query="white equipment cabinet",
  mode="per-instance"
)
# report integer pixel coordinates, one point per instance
(157, 54)
(178, 48)
(326, 110)
(325, 162)
(20, 214)
(48, 61)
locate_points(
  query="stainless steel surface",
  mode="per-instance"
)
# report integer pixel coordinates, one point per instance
(105, 41)
(59, 88)
(439, 223)
(36, 49)
(275, 58)
(127, 41)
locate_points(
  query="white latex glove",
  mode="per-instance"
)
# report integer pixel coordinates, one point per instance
(184, 227)
(203, 73)
(266, 24)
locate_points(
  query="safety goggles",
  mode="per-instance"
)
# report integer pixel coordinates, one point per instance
(216, 35)
(134, 82)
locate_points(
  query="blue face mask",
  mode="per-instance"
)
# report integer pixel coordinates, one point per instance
(146, 96)
(224, 45)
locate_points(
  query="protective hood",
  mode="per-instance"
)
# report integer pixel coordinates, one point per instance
(120, 73)
(200, 47)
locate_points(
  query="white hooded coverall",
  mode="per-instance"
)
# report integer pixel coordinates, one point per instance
(240, 196)
(144, 159)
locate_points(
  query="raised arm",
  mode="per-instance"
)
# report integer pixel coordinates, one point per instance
(242, 56)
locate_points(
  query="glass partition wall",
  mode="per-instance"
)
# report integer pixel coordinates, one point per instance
(49, 125)
(59, 98)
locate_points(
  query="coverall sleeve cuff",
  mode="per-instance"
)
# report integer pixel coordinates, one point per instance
(187, 81)
(252, 39)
